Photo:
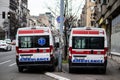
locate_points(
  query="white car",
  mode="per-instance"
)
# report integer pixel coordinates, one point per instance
(5, 46)
(8, 41)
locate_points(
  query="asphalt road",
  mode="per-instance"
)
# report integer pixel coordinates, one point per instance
(9, 71)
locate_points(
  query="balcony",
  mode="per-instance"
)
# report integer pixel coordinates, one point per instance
(13, 4)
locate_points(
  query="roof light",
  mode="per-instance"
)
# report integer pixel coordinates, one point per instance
(101, 32)
(88, 28)
(33, 27)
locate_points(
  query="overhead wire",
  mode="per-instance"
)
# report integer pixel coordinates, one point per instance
(78, 8)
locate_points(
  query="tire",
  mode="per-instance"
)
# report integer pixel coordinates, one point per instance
(103, 70)
(70, 70)
(6, 49)
(52, 68)
(20, 69)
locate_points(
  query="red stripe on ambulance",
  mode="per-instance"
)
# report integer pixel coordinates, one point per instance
(85, 32)
(30, 31)
(27, 51)
(34, 51)
(88, 52)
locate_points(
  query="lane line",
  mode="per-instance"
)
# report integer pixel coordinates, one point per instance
(5, 62)
(12, 64)
(56, 76)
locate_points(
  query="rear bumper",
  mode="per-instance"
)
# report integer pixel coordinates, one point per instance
(87, 65)
(3, 48)
(37, 63)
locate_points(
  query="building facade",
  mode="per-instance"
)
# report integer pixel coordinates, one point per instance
(23, 13)
(108, 17)
(4, 9)
(87, 16)
(47, 19)
(13, 14)
(13, 21)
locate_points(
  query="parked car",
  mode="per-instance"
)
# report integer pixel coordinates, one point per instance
(8, 41)
(5, 46)
(1, 41)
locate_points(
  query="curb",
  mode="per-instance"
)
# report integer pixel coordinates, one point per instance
(56, 76)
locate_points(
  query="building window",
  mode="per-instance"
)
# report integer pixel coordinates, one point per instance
(104, 2)
(3, 15)
(99, 1)
(92, 0)
(92, 23)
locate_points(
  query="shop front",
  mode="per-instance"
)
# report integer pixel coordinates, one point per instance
(115, 35)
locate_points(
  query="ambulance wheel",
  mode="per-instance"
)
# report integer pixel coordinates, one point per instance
(52, 68)
(103, 70)
(20, 69)
(70, 70)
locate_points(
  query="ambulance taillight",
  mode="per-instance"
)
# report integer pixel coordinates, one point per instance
(88, 28)
(17, 49)
(70, 52)
(106, 49)
(51, 50)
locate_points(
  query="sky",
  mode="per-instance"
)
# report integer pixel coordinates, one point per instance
(37, 7)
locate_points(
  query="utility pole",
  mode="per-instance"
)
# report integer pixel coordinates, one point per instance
(61, 34)
(9, 16)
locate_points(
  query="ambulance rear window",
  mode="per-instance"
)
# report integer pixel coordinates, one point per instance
(34, 41)
(87, 42)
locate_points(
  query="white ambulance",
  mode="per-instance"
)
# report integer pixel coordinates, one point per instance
(88, 48)
(35, 47)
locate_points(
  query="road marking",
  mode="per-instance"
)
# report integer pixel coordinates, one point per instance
(12, 64)
(5, 62)
(56, 76)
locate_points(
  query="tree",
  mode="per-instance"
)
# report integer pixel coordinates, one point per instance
(70, 21)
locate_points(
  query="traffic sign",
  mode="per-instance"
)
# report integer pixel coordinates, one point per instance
(58, 19)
